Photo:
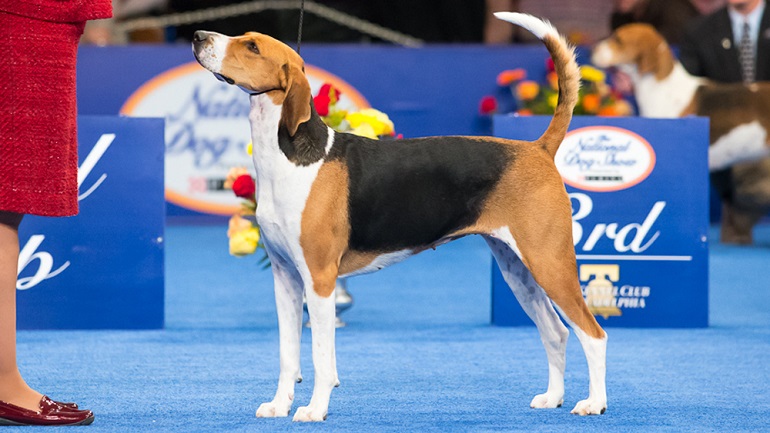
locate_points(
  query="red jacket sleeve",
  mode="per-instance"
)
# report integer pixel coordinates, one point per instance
(65, 11)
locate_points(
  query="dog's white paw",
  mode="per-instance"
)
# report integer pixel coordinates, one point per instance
(590, 407)
(547, 401)
(273, 410)
(308, 414)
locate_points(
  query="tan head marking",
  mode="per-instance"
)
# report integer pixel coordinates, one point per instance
(261, 64)
(641, 45)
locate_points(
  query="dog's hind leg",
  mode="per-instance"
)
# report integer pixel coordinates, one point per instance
(544, 241)
(538, 307)
(288, 300)
(321, 307)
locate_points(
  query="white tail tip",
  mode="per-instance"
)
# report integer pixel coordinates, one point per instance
(538, 27)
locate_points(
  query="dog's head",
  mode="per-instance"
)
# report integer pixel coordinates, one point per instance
(638, 45)
(259, 64)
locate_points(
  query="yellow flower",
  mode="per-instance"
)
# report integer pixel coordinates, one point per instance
(244, 242)
(233, 174)
(589, 73)
(527, 90)
(379, 121)
(250, 148)
(364, 130)
(553, 99)
(237, 224)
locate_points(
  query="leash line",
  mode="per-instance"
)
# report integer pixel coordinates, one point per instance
(246, 8)
(299, 31)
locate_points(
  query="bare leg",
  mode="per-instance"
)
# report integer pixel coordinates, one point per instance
(13, 389)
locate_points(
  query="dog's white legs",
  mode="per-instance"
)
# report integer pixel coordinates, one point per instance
(596, 354)
(322, 319)
(288, 300)
(539, 308)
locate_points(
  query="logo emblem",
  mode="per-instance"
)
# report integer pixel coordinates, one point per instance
(207, 130)
(604, 158)
(600, 292)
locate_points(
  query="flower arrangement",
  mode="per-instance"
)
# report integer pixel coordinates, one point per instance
(595, 97)
(243, 230)
(367, 122)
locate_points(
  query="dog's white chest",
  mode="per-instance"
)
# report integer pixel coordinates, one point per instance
(666, 98)
(283, 187)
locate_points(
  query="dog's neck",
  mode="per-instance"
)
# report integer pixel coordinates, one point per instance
(273, 143)
(668, 97)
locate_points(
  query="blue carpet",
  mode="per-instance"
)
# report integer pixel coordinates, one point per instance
(418, 354)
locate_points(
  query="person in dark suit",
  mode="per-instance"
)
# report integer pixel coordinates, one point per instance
(669, 17)
(732, 45)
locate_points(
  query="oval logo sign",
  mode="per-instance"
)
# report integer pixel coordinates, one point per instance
(207, 130)
(604, 158)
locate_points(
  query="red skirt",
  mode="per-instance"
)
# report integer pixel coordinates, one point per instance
(38, 114)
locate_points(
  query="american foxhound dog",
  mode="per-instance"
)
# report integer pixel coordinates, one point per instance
(739, 115)
(334, 204)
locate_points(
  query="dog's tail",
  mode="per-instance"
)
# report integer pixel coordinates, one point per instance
(563, 55)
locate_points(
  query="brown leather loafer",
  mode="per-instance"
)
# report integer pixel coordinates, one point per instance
(50, 413)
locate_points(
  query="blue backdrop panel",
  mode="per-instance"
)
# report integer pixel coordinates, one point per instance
(665, 282)
(433, 90)
(102, 269)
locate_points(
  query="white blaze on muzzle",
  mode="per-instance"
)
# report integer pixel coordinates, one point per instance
(211, 51)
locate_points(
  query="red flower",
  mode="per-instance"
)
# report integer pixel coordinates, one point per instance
(549, 66)
(321, 103)
(327, 96)
(488, 105)
(245, 187)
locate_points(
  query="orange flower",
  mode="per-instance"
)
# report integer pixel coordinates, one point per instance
(524, 112)
(591, 103)
(609, 111)
(527, 90)
(553, 80)
(510, 76)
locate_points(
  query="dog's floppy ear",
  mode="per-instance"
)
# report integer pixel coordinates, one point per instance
(648, 59)
(296, 105)
(654, 57)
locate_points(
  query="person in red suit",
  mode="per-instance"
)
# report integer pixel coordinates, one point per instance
(38, 164)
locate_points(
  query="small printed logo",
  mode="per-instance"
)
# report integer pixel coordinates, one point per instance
(599, 291)
(604, 158)
(207, 130)
(604, 296)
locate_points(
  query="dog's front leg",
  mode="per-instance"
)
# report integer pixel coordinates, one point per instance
(288, 300)
(321, 307)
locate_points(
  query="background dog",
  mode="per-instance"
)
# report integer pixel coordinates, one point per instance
(739, 115)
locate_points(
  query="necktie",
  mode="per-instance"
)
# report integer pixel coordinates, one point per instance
(746, 54)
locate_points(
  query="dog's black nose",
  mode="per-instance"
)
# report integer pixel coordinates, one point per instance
(200, 36)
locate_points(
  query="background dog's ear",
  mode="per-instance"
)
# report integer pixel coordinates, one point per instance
(648, 60)
(655, 57)
(296, 105)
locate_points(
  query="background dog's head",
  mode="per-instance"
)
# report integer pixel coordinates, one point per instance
(638, 45)
(258, 64)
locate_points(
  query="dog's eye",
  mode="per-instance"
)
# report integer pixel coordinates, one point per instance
(252, 47)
